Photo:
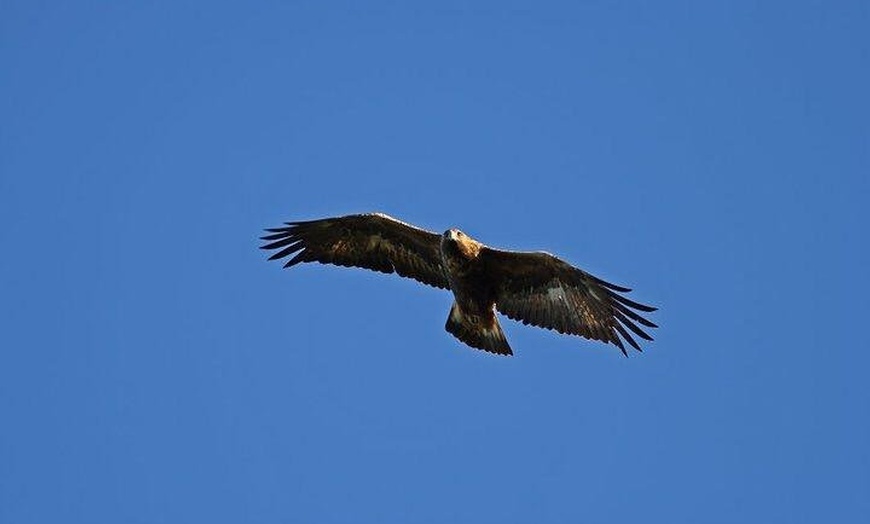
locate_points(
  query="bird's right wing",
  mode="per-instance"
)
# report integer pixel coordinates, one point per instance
(372, 241)
(540, 289)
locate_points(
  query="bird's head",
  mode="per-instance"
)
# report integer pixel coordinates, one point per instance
(456, 241)
(453, 235)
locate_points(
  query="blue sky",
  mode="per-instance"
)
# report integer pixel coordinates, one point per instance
(155, 368)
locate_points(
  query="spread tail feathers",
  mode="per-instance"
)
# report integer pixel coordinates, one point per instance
(478, 331)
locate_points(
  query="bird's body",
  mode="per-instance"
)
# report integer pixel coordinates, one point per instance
(472, 316)
(532, 287)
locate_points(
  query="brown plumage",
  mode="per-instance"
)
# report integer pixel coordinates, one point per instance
(532, 287)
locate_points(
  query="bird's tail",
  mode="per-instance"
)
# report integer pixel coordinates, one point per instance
(478, 331)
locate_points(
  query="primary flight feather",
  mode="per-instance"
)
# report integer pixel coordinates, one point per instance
(532, 287)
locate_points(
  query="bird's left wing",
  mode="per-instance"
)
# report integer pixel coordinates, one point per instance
(540, 289)
(372, 241)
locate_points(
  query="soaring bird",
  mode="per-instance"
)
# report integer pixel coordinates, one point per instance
(534, 288)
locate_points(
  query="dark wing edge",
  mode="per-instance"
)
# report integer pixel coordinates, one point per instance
(540, 289)
(372, 241)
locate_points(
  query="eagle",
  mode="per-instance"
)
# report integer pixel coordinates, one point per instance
(534, 288)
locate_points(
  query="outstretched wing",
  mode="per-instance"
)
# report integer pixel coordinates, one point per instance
(545, 291)
(372, 241)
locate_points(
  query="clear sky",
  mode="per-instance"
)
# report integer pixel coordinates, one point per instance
(714, 156)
